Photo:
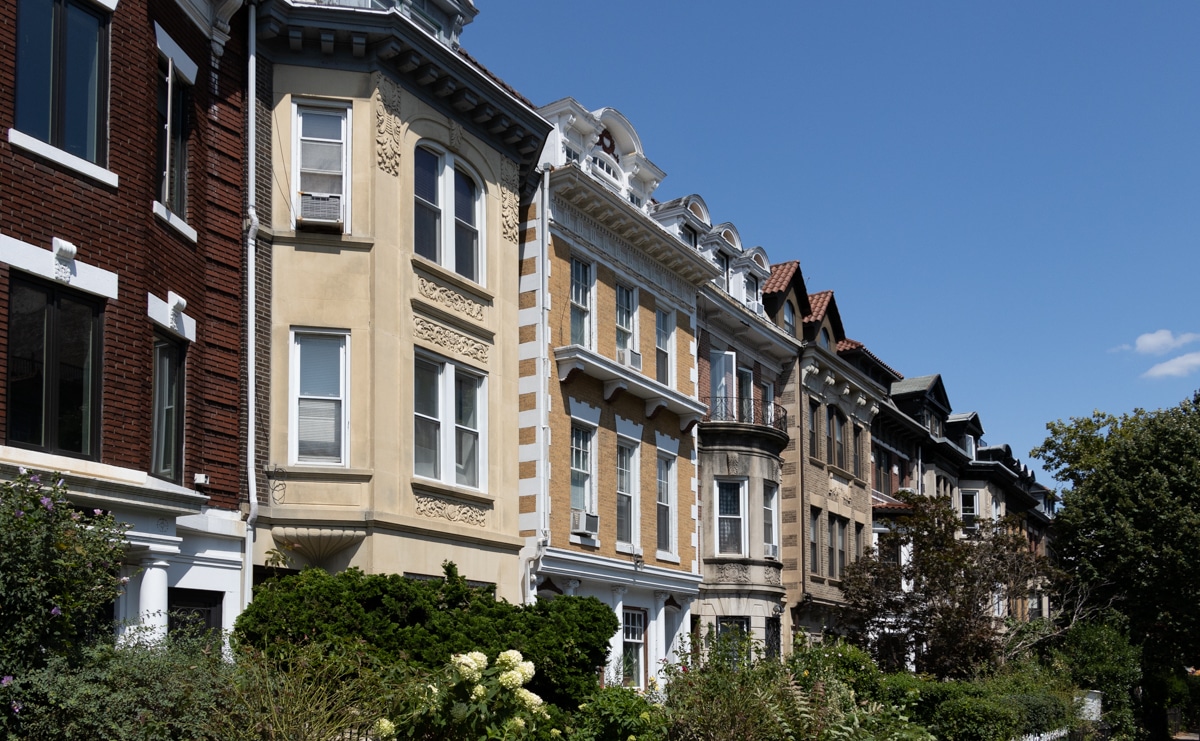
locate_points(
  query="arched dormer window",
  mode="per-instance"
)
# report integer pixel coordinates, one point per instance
(448, 213)
(789, 318)
(823, 338)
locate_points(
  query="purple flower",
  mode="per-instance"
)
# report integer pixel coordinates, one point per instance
(55, 612)
(16, 707)
(36, 479)
(6, 681)
(97, 512)
(47, 502)
(20, 513)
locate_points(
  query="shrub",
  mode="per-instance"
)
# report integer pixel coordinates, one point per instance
(425, 622)
(618, 713)
(1041, 713)
(838, 660)
(975, 719)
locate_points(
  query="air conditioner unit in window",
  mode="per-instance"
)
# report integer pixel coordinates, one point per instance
(583, 523)
(321, 210)
(630, 358)
(756, 307)
(772, 550)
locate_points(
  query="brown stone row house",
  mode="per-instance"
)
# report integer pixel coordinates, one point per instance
(391, 314)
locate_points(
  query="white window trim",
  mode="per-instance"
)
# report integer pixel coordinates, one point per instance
(590, 498)
(774, 515)
(347, 130)
(175, 221)
(672, 503)
(447, 425)
(62, 157)
(58, 265)
(182, 65)
(742, 515)
(633, 317)
(590, 319)
(448, 164)
(633, 545)
(670, 348)
(294, 396)
(169, 315)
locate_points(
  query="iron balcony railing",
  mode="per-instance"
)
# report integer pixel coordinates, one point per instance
(746, 411)
(360, 4)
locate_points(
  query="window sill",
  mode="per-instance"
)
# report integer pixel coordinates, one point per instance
(584, 540)
(321, 472)
(463, 284)
(628, 549)
(60, 157)
(175, 222)
(668, 557)
(441, 488)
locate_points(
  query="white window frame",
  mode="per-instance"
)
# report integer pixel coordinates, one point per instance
(742, 518)
(448, 165)
(582, 300)
(632, 486)
(664, 342)
(587, 448)
(814, 541)
(168, 407)
(296, 333)
(181, 71)
(722, 261)
(771, 517)
(750, 290)
(745, 395)
(973, 513)
(633, 633)
(448, 426)
(299, 106)
(631, 328)
(666, 489)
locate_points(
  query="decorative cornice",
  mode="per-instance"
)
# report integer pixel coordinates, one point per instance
(450, 298)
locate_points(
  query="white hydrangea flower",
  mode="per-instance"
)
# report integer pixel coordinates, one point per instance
(528, 699)
(479, 659)
(511, 679)
(478, 692)
(510, 659)
(384, 728)
(526, 669)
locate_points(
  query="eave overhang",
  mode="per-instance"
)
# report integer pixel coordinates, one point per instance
(385, 40)
(627, 221)
(588, 566)
(719, 309)
(617, 378)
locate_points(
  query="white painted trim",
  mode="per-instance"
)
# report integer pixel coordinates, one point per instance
(447, 426)
(62, 157)
(175, 221)
(346, 108)
(109, 5)
(163, 314)
(45, 263)
(294, 396)
(183, 63)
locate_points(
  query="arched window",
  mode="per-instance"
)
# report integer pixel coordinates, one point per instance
(448, 213)
(823, 338)
(789, 318)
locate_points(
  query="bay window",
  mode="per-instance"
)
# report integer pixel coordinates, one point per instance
(448, 213)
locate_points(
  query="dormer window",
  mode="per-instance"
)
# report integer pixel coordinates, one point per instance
(723, 264)
(635, 199)
(604, 166)
(751, 291)
(571, 153)
(688, 235)
(969, 445)
(823, 338)
(789, 318)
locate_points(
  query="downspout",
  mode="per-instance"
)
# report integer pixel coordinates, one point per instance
(543, 506)
(251, 297)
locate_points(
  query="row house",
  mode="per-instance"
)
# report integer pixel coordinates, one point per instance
(608, 394)
(391, 170)
(746, 363)
(121, 138)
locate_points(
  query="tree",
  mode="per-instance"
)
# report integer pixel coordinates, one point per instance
(938, 602)
(59, 573)
(1129, 528)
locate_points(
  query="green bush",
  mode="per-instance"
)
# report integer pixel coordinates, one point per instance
(1041, 713)
(618, 713)
(967, 718)
(425, 622)
(847, 663)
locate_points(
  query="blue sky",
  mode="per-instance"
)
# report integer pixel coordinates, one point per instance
(1006, 193)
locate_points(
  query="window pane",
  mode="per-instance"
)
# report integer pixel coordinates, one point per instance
(425, 385)
(317, 182)
(35, 48)
(466, 457)
(466, 240)
(81, 98)
(26, 363)
(320, 365)
(319, 430)
(426, 449)
(466, 392)
(166, 414)
(730, 535)
(579, 333)
(76, 330)
(730, 500)
(464, 198)
(426, 175)
(322, 156)
(624, 518)
(321, 125)
(427, 230)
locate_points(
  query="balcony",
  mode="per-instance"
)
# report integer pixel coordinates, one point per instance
(621, 378)
(359, 4)
(744, 423)
(745, 411)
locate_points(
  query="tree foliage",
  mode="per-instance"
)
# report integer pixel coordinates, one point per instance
(58, 573)
(938, 603)
(425, 622)
(1129, 527)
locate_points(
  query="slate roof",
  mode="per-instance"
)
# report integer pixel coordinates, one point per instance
(781, 276)
(914, 385)
(848, 346)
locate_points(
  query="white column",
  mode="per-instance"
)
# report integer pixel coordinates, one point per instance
(152, 597)
(617, 642)
(661, 645)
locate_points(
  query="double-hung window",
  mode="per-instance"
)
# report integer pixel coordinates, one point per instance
(62, 75)
(583, 496)
(723, 266)
(835, 432)
(320, 425)
(666, 504)
(663, 335)
(448, 213)
(53, 369)
(626, 486)
(626, 320)
(633, 653)
(814, 541)
(770, 520)
(323, 166)
(166, 458)
(176, 76)
(814, 416)
(729, 518)
(750, 290)
(970, 509)
(789, 318)
(581, 302)
(449, 433)
(857, 452)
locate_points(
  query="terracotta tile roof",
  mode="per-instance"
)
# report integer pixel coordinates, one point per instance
(781, 276)
(820, 304)
(849, 345)
(494, 78)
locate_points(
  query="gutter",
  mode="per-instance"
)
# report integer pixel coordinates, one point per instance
(251, 295)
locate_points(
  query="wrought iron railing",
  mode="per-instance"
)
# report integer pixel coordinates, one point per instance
(746, 411)
(361, 4)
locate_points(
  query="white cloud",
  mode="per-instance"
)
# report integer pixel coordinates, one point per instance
(1184, 365)
(1163, 341)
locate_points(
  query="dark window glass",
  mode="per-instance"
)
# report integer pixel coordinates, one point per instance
(174, 125)
(62, 48)
(168, 410)
(466, 235)
(427, 215)
(53, 378)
